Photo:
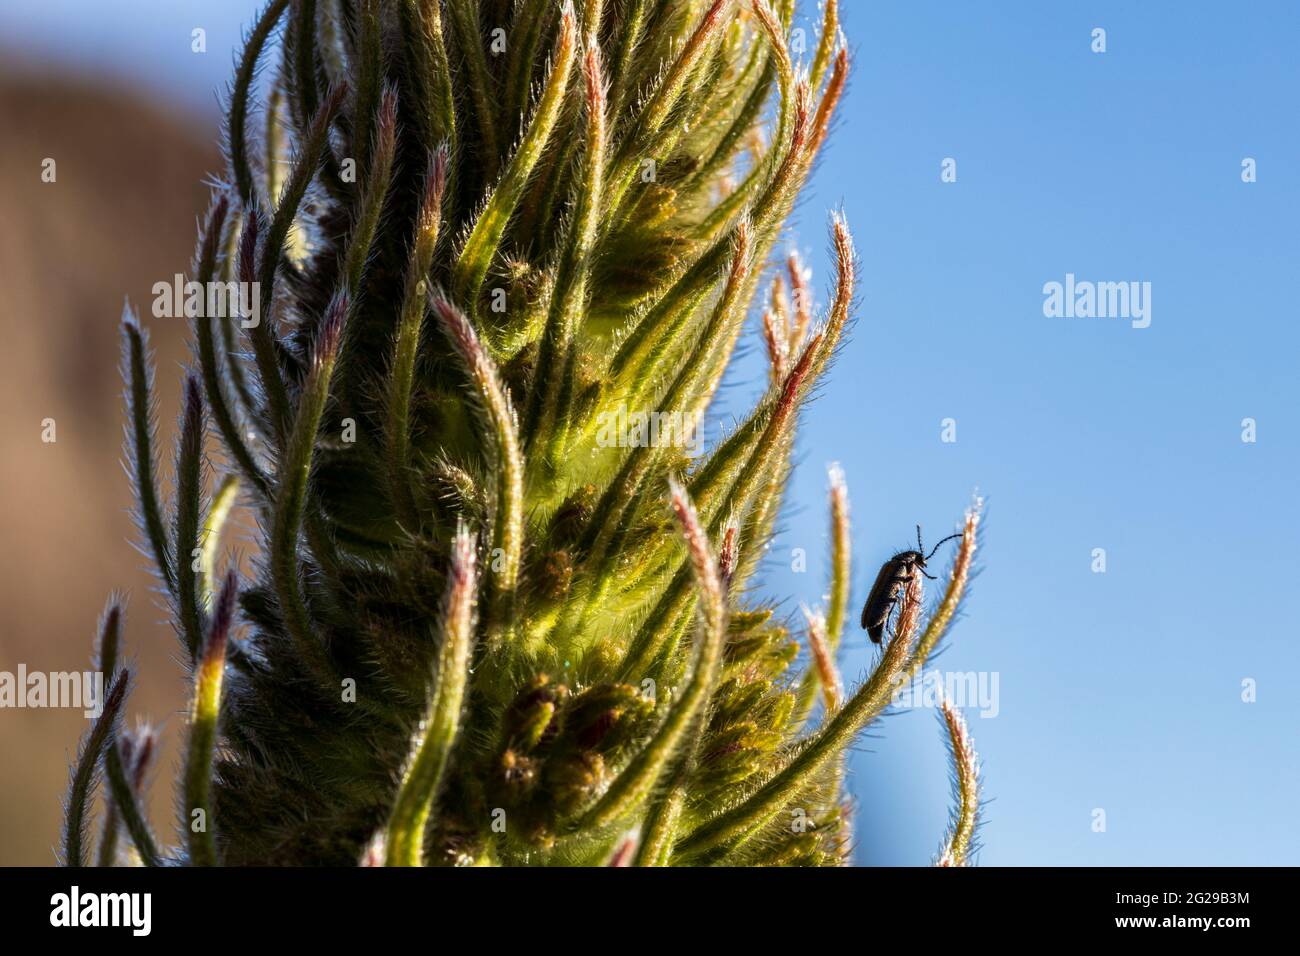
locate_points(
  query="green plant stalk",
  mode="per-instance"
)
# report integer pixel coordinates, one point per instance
(555, 365)
(507, 534)
(407, 342)
(110, 630)
(465, 24)
(139, 373)
(205, 712)
(227, 425)
(120, 803)
(375, 191)
(84, 779)
(237, 117)
(126, 807)
(291, 501)
(841, 582)
(441, 723)
(260, 333)
(961, 835)
(189, 464)
(223, 500)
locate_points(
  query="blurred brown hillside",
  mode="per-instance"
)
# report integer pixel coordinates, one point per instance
(119, 218)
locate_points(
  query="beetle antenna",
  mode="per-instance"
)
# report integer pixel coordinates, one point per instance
(919, 546)
(940, 544)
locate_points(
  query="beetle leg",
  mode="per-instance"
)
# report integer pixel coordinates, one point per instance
(890, 613)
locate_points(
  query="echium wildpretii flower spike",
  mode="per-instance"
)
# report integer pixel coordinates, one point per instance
(492, 259)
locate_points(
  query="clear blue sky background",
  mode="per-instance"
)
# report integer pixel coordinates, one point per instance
(1119, 691)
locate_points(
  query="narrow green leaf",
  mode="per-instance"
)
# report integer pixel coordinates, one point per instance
(261, 333)
(85, 774)
(637, 780)
(508, 524)
(840, 585)
(401, 381)
(295, 473)
(137, 370)
(481, 247)
(440, 726)
(237, 116)
(428, 72)
(305, 71)
(223, 500)
(189, 504)
(204, 270)
(375, 191)
(205, 711)
(552, 395)
(469, 38)
(960, 840)
(368, 67)
(631, 30)
(124, 794)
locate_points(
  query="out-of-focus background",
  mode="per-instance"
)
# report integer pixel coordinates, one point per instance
(129, 158)
(1123, 729)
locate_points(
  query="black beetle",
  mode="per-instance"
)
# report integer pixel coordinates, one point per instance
(894, 573)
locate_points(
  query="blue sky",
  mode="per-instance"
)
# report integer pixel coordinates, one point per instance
(1119, 691)
(1122, 690)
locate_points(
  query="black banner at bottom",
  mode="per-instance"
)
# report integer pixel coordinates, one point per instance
(592, 908)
